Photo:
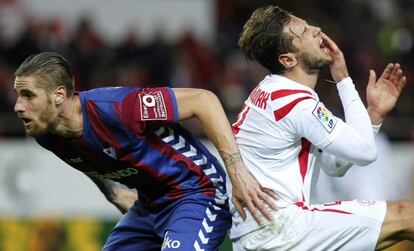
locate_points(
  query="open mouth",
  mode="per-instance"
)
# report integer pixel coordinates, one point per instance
(323, 46)
(26, 121)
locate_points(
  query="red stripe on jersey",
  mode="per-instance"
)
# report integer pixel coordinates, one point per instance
(104, 133)
(282, 112)
(204, 181)
(117, 109)
(166, 182)
(303, 157)
(302, 205)
(99, 127)
(239, 122)
(283, 93)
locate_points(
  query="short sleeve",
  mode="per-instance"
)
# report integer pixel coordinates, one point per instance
(141, 106)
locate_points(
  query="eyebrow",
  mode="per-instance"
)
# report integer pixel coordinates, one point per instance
(296, 35)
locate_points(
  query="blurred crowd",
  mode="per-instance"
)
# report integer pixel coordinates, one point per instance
(371, 33)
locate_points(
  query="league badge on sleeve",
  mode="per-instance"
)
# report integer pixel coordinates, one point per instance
(325, 117)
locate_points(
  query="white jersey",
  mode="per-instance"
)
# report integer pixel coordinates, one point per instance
(282, 133)
(270, 133)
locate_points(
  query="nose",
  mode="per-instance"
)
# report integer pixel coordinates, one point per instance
(19, 106)
(317, 30)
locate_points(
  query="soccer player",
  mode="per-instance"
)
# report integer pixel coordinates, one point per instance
(130, 136)
(285, 135)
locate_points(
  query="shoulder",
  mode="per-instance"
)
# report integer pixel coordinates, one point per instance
(107, 94)
(286, 96)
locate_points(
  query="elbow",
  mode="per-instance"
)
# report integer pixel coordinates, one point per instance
(338, 174)
(208, 96)
(367, 157)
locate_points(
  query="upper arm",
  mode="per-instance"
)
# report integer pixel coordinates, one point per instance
(325, 131)
(154, 105)
(191, 101)
(313, 121)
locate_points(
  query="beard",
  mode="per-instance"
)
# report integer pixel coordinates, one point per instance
(312, 62)
(44, 122)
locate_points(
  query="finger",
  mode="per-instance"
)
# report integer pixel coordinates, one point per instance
(394, 73)
(387, 71)
(271, 193)
(328, 42)
(400, 75)
(263, 210)
(402, 83)
(372, 78)
(254, 213)
(267, 199)
(239, 208)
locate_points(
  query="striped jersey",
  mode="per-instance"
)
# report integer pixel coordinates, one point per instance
(131, 136)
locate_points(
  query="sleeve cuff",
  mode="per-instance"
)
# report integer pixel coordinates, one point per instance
(344, 81)
(376, 128)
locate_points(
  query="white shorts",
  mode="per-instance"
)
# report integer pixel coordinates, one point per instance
(343, 225)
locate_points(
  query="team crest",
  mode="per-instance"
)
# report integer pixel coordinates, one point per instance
(110, 151)
(325, 117)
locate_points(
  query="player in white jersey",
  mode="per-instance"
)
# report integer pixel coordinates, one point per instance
(285, 135)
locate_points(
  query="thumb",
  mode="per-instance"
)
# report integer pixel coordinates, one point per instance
(372, 78)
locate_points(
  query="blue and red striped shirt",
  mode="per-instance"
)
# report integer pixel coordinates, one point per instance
(131, 136)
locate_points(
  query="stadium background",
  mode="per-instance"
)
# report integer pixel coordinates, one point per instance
(46, 206)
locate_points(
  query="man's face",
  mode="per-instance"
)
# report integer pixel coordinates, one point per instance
(34, 106)
(307, 39)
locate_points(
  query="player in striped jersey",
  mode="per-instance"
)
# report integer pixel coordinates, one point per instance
(130, 136)
(285, 135)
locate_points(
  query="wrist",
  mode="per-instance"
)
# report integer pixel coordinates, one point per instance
(375, 116)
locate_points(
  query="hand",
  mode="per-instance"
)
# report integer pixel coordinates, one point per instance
(383, 94)
(125, 198)
(248, 192)
(338, 67)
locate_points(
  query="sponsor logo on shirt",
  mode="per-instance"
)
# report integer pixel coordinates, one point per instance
(74, 160)
(325, 117)
(153, 106)
(116, 175)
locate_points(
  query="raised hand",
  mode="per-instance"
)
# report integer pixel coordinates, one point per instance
(338, 67)
(383, 94)
(247, 192)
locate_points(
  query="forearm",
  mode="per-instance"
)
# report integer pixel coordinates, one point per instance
(218, 130)
(119, 195)
(356, 116)
(205, 106)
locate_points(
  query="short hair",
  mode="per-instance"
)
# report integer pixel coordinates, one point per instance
(263, 38)
(52, 68)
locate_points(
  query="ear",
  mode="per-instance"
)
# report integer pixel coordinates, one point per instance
(60, 95)
(288, 60)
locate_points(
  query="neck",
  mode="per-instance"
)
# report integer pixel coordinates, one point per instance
(302, 77)
(70, 119)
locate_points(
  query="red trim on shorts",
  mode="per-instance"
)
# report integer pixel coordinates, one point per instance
(302, 205)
